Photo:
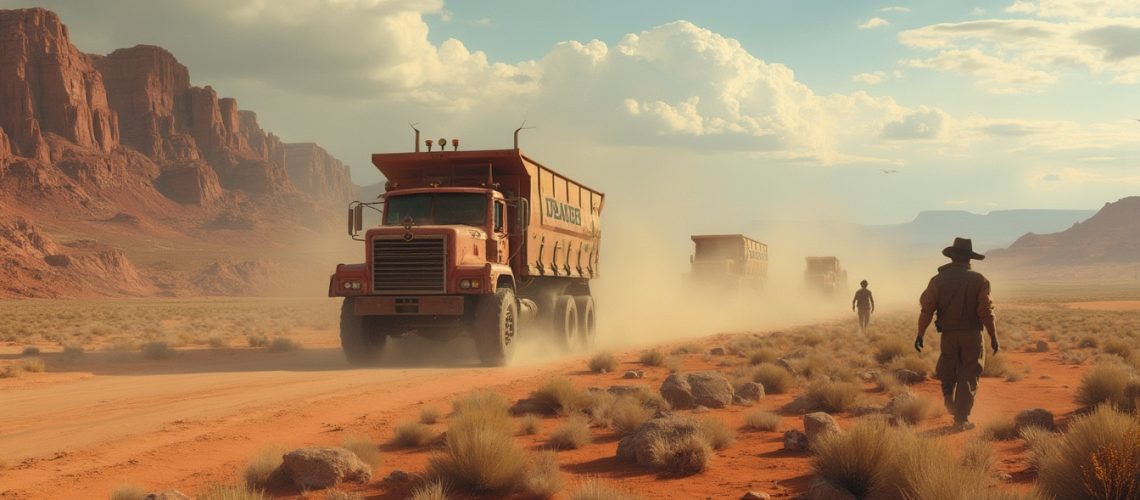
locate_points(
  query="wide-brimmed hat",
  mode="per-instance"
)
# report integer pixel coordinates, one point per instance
(962, 247)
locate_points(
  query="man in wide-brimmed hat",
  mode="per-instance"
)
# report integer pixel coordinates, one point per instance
(961, 299)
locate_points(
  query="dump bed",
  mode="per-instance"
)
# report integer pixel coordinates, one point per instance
(562, 229)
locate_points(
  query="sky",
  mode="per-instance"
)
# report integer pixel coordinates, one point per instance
(705, 115)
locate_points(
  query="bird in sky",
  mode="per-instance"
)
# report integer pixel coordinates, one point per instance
(885, 171)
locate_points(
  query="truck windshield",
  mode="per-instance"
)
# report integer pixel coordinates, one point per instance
(438, 209)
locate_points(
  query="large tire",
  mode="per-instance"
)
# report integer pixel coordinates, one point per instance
(361, 339)
(565, 326)
(587, 327)
(496, 327)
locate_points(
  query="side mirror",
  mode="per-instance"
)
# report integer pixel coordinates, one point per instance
(351, 221)
(357, 218)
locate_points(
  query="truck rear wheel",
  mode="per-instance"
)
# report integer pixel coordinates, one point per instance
(496, 325)
(566, 326)
(361, 339)
(587, 329)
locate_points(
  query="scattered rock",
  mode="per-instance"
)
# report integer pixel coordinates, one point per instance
(717, 351)
(819, 423)
(637, 447)
(1005, 476)
(398, 476)
(756, 495)
(1035, 417)
(909, 377)
(528, 405)
(687, 390)
(869, 376)
(823, 490)
(898, 401)
(800, 404)
(1042, 346)
(750, 391)
(795, 440)
(167, 495)
(634, 374)
(624, 390)
(319, 468)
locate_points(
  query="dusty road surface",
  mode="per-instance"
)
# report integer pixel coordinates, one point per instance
(85, 427)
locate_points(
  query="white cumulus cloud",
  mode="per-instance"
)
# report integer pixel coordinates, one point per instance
(874, 22)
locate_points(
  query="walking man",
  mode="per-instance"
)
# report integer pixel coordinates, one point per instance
(960, 298)
(866, 304)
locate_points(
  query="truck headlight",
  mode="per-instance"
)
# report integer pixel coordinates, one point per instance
(351, 285)
(468, 284)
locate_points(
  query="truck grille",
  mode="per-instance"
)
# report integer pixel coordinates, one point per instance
(417, 266)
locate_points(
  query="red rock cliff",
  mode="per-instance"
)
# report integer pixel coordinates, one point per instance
(315, 172)
(48, 86)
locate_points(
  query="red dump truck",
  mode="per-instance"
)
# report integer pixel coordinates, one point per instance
(490, 244)
(729, 262)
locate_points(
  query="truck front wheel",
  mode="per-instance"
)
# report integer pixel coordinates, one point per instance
(361, 338)
(496, 325)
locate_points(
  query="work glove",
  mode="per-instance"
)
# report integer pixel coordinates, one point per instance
(994, 345)
(918, 343)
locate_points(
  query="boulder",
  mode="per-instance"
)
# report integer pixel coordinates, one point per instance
(717, 351)
(319, 468)
(529, 406)
(637, 446)
(795, 440)
(1035, 417)
(756, 495)
(818, 424)
(800, 404)
(750, 392)
(686, 390)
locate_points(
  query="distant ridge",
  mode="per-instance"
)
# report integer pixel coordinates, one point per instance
(1111, 236)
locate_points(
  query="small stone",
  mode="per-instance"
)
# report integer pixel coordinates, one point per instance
(1004, 476)
(633, 374)
(756, 495)
(167, 495)
(795, 440)
(717, 351)
(750, 391)
(909, 377)
(319, 468)
(397, 476)
(1035, 417)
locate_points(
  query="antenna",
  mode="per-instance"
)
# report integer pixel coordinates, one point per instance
(517, 130)
(413, 125)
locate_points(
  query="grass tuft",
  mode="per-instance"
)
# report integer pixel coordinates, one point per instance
(715, 433)
(573, 434)
(413, 434)
(283, 344)
(543, 477)
(265, 468)
(128, 492)
(480, 455)
(833, 397)
(683, 457)
(231, 492)
(1097, 458)
(364, 449)
(596, 489)
(1105, 383)
(558, 395)
(759, 420)
(652, 357)
(434, 490)
(774, 378)
(603, 362)
(156, 350)
(529, 424)
(430, 415)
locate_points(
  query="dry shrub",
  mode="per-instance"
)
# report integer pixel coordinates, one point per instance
(596, 489)
(652, 357)
(682, 457)
(258, 340)
(833, 397)
(1099, 457)
(890, 348)
(363, 448)
(430, 415)
(128, 492)
(529, 424)
(342, 495)
(996, 365)
(30, 351)
(413, 434)
(627, 414)
(916, 409)
(1116, 346)
(1105, 383)
(977, 454)
(573, 434)
(688, 348)
(774, 378)
(265, 468)
(763, 421)
(602, 362)
(715, 433)
(673, 364)
(480, 454)
(156, 350)
(874, 460)
(543, 477)
(434, 490)
(912, 362)
(31, 365)
(72, 352)
(558, 395)
(1002, 429)
(763, 355)
(231, 492)
(283, 344)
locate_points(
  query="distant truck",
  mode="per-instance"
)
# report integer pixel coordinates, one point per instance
(731, 262)
(825, 275)
(490, 244)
